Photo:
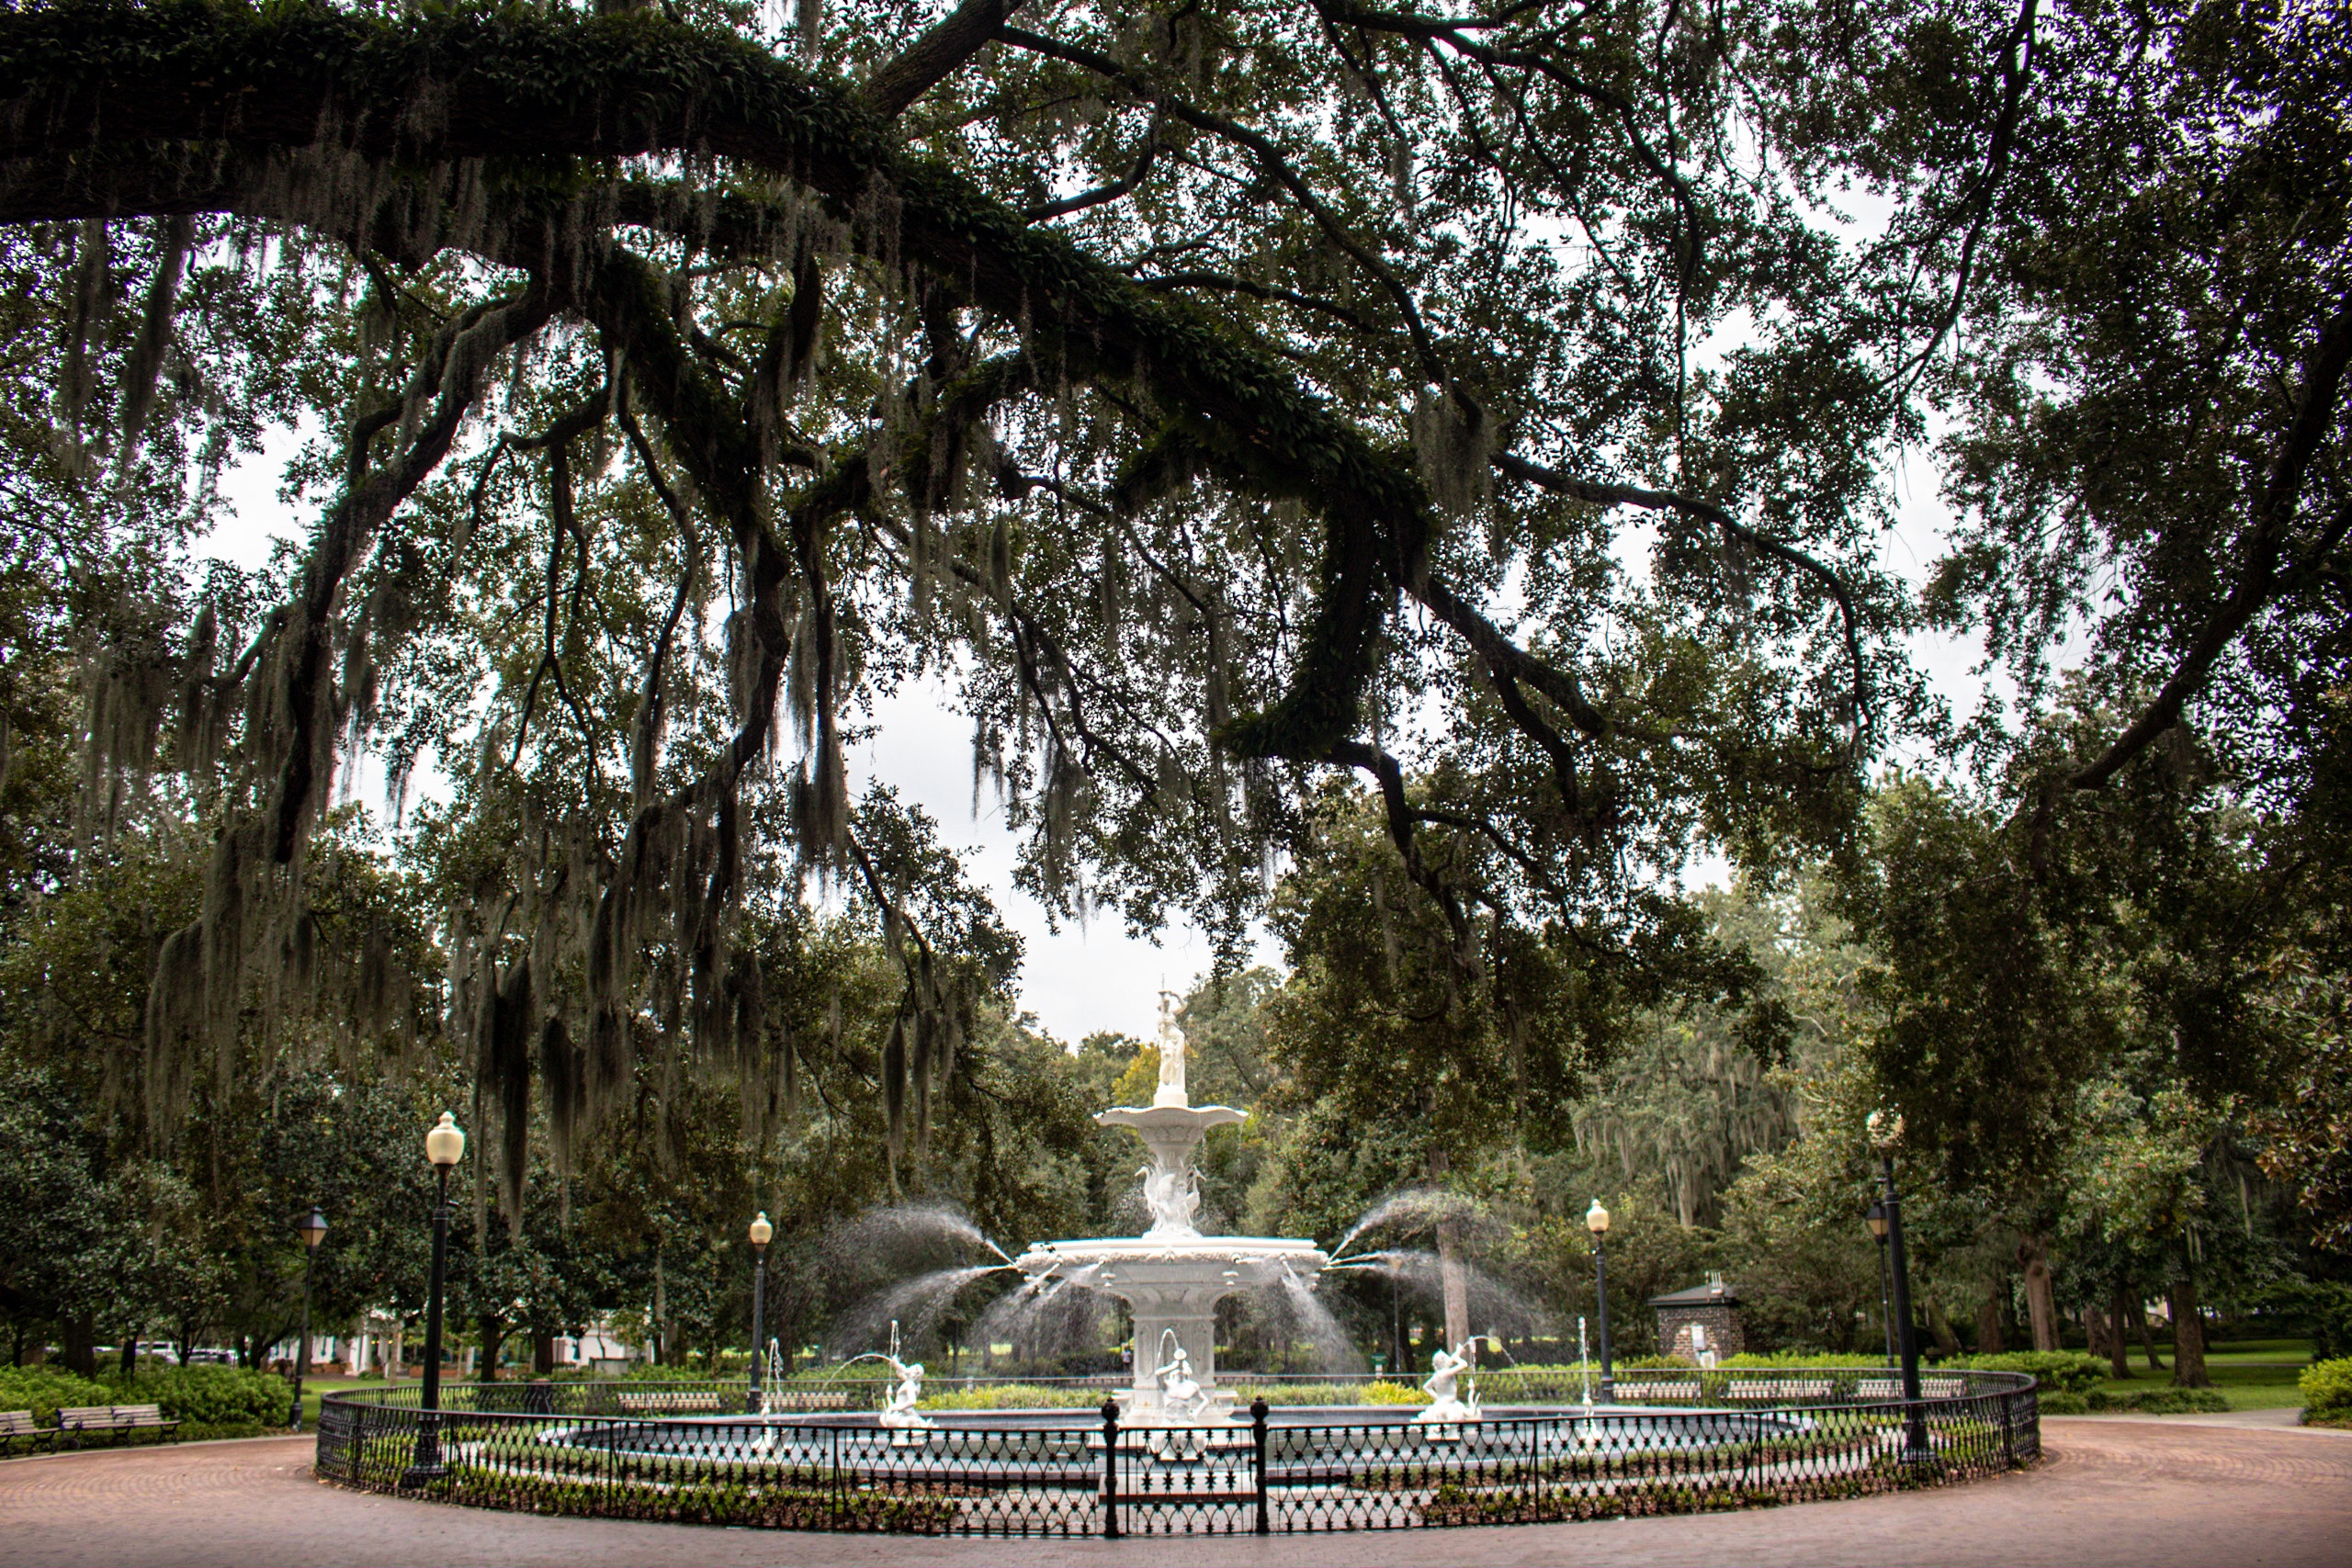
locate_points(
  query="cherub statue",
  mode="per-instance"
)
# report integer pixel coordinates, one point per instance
(1446, 1368)
(900, 1411)
(1182, 1396)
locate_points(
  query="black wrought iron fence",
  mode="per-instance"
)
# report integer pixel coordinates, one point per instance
(1675, 1443)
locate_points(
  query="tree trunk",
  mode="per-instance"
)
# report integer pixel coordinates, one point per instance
(2187, 1336)
(660, 1311)
(542, 1355)
(2147, 1337)
(2118, 1363)
(1453, 1285)
(2042, 1304)
(494, 1335)
(1989, 1341)
(1939, 1324)
(129, 1352)
(76, 1348)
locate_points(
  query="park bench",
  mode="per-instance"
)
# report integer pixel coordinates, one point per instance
(1780, 1390)
(668, 1402)
(18, 1424)
(808, 1399)
(1892, 1388)
(78, 1419)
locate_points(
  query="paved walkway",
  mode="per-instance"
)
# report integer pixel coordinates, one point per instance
(2113, 1490)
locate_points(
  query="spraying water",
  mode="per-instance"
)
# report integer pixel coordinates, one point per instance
(1412, 1209)
(1421, 1275)
(918, 1302)
(1333, 1348)
(905, 1226)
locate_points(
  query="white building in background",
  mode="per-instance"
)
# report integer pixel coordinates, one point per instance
(597, 1350)
(376, 1344)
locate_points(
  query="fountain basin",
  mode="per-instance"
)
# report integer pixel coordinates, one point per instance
(1172, 1283)
(1317, 1444)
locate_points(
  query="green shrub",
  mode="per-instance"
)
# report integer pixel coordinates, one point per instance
(1011, 1396)
(2066, 1371)
(1386, 1393)
(208, 1396)
(2159, 1400)
(2327, 1390)
(2060, 1403)
(43, 1388)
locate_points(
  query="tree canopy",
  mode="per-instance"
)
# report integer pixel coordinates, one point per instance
(1504, 410)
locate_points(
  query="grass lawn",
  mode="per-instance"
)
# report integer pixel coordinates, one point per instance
(2252, 1374)
(314, 1385)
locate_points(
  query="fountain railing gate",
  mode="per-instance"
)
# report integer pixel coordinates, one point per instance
(1678, 1441)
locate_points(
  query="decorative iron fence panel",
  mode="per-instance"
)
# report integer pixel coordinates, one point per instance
(684, 1452)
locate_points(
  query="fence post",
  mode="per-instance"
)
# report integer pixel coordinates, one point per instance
(1258, 1443)
(1111, 1468)
(2009, 1429)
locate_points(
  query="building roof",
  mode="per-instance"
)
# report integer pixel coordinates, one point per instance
(1714, 1292)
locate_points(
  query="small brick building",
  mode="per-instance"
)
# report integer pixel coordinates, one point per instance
(1712, 1306)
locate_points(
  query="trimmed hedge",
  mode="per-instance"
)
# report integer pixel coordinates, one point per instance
(2161, 1400)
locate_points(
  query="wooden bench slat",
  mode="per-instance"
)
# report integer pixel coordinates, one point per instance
(81, 1419)
(16, 1423)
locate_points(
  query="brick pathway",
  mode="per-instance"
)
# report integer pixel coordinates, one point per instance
(2113, 1491)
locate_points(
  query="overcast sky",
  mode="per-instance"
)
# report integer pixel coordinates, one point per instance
(1079, 979)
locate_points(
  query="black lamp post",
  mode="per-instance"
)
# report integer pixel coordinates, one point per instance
(1875, 1217)
(445, 1146)
(312, 1229)
(1596, 1220)
(1885, 1132)
(762, 1233)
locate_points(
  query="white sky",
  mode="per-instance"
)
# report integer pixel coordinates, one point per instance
(1093, 978)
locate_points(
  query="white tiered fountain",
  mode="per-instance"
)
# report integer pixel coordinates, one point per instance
(1173, 1276)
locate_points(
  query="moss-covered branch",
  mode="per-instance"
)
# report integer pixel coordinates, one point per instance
(115, 86)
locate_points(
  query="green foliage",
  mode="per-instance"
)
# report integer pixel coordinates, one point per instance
(1384, 1393)
(2066, 1371)
(1011, 1396)
(208, 1396)
(2155, 1401)
(42, 1389)
(2327, 1390)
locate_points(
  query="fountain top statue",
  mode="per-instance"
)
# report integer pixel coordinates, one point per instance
(1172, 1127)
(1172, 1057)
